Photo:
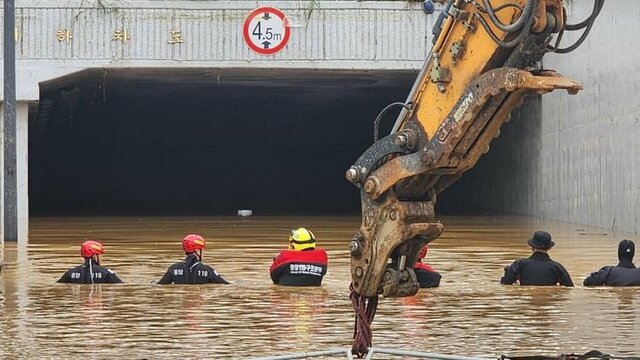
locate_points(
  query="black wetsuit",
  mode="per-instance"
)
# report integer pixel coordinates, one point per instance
(191, 271)
(82, 274)
(538, 269)
(427, 277)
(624, 274)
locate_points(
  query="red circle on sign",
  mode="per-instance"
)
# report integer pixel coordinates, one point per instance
(254, 14)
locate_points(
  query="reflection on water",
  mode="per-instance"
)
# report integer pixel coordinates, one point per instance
(470, 314)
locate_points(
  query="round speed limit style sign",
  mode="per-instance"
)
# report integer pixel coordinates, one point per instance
(266, 30)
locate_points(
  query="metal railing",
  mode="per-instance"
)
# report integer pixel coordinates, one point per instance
(370, 354)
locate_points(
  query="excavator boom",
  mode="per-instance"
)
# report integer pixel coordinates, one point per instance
(485, 60)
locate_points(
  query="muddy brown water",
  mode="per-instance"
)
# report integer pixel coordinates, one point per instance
(470, 314)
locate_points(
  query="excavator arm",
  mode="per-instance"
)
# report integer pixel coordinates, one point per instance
(485, 60)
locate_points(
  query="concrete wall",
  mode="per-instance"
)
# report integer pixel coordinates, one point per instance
(591, 143)
(576, 158)
(377, 35)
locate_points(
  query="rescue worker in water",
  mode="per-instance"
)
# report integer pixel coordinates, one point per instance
(623, 274)
(191, 270)
(90, 272)
(426, 275)
(537, 269)
(302, 264)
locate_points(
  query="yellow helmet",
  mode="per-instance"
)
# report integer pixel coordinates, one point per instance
(301, 239)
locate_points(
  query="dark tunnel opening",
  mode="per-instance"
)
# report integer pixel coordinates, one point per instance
(208, 141)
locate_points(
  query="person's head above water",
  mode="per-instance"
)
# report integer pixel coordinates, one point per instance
(193, 243)
(423, 252)
(541, 240)
(91, 249)
(626, 250)
(301, 239)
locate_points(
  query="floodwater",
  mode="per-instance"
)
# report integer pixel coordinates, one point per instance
(470, 314)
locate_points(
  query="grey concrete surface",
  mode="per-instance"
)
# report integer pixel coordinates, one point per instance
(21, 216)
(590, 143)
(357, 35)
(575, 158)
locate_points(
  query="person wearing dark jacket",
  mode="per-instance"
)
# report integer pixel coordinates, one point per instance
(302, 264)
(427, 276)
(191, 270)
(623, 274)
(538, 269)
(90, 272)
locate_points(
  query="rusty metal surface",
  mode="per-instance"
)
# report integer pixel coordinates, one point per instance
(492, 130)
(464, 125)
(387, 224)
(395, 229)
(547, 81)
(553, 7)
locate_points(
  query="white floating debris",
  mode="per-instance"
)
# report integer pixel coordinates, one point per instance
(245, 212)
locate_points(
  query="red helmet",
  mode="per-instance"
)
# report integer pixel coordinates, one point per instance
(423, 252)
(90, 248)
(192, 243)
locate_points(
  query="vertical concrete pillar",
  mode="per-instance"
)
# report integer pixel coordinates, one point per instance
(1, 184)
(20, 216)
(22, 167)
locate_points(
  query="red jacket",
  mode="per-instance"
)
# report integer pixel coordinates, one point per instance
(423, 266)
(301, 268)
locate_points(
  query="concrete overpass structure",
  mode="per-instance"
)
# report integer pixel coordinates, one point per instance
(56, 38)
(59, 41)
(70, 48)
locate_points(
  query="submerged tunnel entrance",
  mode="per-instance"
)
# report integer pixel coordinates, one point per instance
(211, 141)
(204, 141)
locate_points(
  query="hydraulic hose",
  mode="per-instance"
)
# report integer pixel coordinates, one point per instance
(576, 44)
(376, 122)
(516, 25)
(597, 6)
(513, 42)
(587, 24)
(500, 7)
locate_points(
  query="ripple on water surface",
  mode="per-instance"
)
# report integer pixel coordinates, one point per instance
(470, 314)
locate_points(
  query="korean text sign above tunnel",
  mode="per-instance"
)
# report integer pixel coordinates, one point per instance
(266, 30)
